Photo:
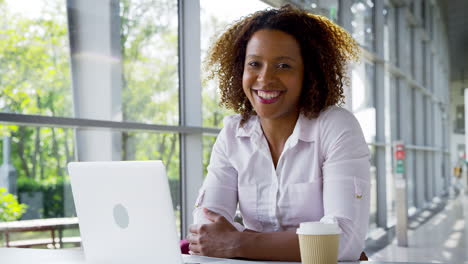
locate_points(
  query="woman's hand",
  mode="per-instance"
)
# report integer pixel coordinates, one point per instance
(217, 239)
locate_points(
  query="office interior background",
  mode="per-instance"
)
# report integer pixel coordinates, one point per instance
(84, 80)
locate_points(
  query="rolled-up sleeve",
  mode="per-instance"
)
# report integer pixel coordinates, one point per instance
(219, 190)
(346, 180)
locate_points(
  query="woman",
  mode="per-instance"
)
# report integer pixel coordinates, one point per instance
(291, 155)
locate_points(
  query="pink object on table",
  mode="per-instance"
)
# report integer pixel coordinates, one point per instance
(184, 246)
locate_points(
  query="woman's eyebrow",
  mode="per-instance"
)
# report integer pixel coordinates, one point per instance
(276, 58)
(252, 56)
(284, 58)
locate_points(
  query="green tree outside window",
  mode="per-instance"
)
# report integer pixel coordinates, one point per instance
(10, 209)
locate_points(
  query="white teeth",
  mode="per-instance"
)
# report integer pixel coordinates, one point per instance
(268, 95)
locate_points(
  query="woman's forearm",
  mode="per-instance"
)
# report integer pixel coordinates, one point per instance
(279, 246)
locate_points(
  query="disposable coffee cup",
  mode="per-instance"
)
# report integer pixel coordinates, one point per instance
(319, 242)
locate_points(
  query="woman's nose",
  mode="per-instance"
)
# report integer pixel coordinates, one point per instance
(266, 75)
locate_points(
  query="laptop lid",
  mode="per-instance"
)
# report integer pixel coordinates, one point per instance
(125, 212)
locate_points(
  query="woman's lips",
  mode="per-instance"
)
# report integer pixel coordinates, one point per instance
(268, 97)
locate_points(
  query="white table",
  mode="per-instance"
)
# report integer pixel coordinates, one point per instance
(74, 256)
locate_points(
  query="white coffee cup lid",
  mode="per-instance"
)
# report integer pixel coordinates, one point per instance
(318, 228)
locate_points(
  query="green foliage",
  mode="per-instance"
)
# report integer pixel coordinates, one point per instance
(52, 190)
(10, 209)
(34, 64)
(149, 51)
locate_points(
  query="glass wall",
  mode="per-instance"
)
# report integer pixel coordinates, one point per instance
(39, 156)
(39, 185)
(150, 76)
(35, 62)
(35, 67)
(394, 78)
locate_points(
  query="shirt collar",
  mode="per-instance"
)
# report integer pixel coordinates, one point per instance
(306, 128)
(250, 128)
(303, 130)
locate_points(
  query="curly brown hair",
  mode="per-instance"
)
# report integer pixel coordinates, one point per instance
(325, 47)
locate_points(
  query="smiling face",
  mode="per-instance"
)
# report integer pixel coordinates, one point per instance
(273, 74)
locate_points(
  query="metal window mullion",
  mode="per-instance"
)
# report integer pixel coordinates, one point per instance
(82, 123)
(419, 92)
(379, 105)
(190, 108)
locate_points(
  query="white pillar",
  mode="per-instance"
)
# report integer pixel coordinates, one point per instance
(94, 29)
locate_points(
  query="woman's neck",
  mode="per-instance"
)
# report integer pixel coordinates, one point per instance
(277, 131)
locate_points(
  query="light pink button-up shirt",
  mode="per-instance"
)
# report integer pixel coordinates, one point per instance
(321, 175)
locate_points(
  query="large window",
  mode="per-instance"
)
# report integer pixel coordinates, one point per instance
(36, 158)
(149, 44)
(39, 157)
(34, 59)
(35, 68)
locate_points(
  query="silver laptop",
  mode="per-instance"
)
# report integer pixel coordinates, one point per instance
(125, 212)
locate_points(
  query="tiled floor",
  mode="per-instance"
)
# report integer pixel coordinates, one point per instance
(442, 239)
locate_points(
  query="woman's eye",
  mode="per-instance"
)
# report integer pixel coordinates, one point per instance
(284, 66)
(253, 64)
